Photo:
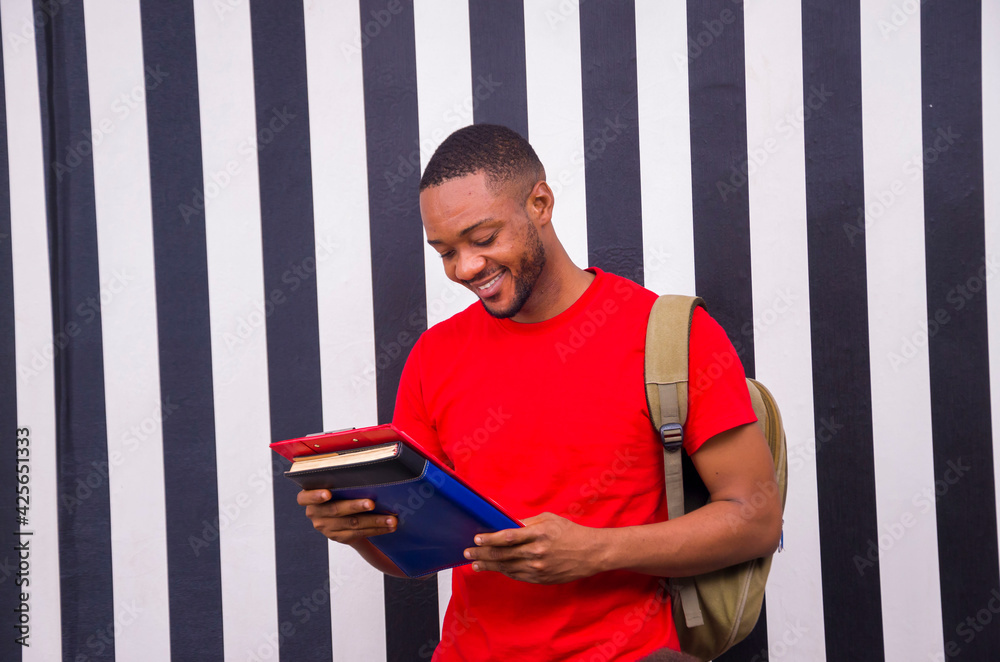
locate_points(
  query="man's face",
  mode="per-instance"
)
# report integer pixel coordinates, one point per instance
(487, 242)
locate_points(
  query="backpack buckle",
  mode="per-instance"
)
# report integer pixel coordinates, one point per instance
(671, 436)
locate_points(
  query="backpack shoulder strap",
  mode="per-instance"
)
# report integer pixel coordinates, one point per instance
(666, 376)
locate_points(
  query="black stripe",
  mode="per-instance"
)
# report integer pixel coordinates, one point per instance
(721, 199)
(86, 578)
(611, 137)
(398, 284)
(499, 78)
(720, 195)
(9, 592)
(293, 361)
(957, 273)
(183, 330)
(838, 292)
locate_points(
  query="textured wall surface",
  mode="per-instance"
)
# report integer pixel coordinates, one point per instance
(210, 240)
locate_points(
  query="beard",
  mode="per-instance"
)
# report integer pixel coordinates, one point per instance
(528, 271)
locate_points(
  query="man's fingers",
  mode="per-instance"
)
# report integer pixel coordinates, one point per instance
(488, 566)
(534, 528)
(333, 508)
(345, 521)
(330, 516)
(497, 553)
(348, 508)
(345, 529)
(362, 522)
(505, 538)
(350, 535)
(309, 497)
(515, 568)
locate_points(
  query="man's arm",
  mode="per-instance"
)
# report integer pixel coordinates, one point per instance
(741, 522)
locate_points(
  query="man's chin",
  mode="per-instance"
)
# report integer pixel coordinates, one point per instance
(501, 311)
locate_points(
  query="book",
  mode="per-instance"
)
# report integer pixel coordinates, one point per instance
(438, 513)
(373, 465)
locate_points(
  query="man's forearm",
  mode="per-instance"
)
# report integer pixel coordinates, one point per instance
(717, 535)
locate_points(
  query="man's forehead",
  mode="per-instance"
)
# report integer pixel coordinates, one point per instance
(457, 195)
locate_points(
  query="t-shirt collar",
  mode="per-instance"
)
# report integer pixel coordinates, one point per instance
(555, 322)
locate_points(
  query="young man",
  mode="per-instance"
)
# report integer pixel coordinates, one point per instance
(536, 396)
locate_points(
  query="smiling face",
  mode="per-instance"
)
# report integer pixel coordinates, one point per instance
(487, 241)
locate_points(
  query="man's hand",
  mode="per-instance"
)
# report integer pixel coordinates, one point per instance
(548, 550)
(344, 521)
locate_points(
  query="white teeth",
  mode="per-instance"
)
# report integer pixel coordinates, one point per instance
(489, 284)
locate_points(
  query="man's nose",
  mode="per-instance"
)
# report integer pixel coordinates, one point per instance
(469, 265)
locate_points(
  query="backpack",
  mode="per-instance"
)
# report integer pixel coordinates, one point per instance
(713, 611)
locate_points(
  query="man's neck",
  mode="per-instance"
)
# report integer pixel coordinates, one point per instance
(554, 292)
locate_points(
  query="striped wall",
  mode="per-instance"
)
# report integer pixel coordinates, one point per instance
(210, 240)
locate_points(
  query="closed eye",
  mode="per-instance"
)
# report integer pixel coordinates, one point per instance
(486, 242)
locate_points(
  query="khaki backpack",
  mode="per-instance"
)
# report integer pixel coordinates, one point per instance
(713, 611)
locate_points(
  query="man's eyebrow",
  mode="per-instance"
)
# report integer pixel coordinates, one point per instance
(465, 231)
(476, 225)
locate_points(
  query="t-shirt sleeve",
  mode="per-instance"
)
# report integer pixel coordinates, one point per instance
(717, 392)
(410, 414)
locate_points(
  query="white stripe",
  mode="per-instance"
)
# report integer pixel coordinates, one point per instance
(665, 146)
(239, 350)
(118, 85)
(555, 113)
(782, 344)
(897, 304)
(446, 100)
(344, 279)
(34, 347)
(991, 181)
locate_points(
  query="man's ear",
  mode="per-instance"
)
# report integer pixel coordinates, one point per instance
(540, 202)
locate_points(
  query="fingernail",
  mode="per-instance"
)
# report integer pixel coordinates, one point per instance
(468, 554)
(479, 541)
(390, 522)
(476, 567)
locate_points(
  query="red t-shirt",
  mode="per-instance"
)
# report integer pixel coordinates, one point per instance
(553, 417)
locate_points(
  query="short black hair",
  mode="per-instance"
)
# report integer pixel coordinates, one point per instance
(502, 153)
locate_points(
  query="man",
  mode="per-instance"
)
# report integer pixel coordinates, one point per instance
(535, 395)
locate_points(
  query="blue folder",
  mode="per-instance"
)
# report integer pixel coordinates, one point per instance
(438, 519)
